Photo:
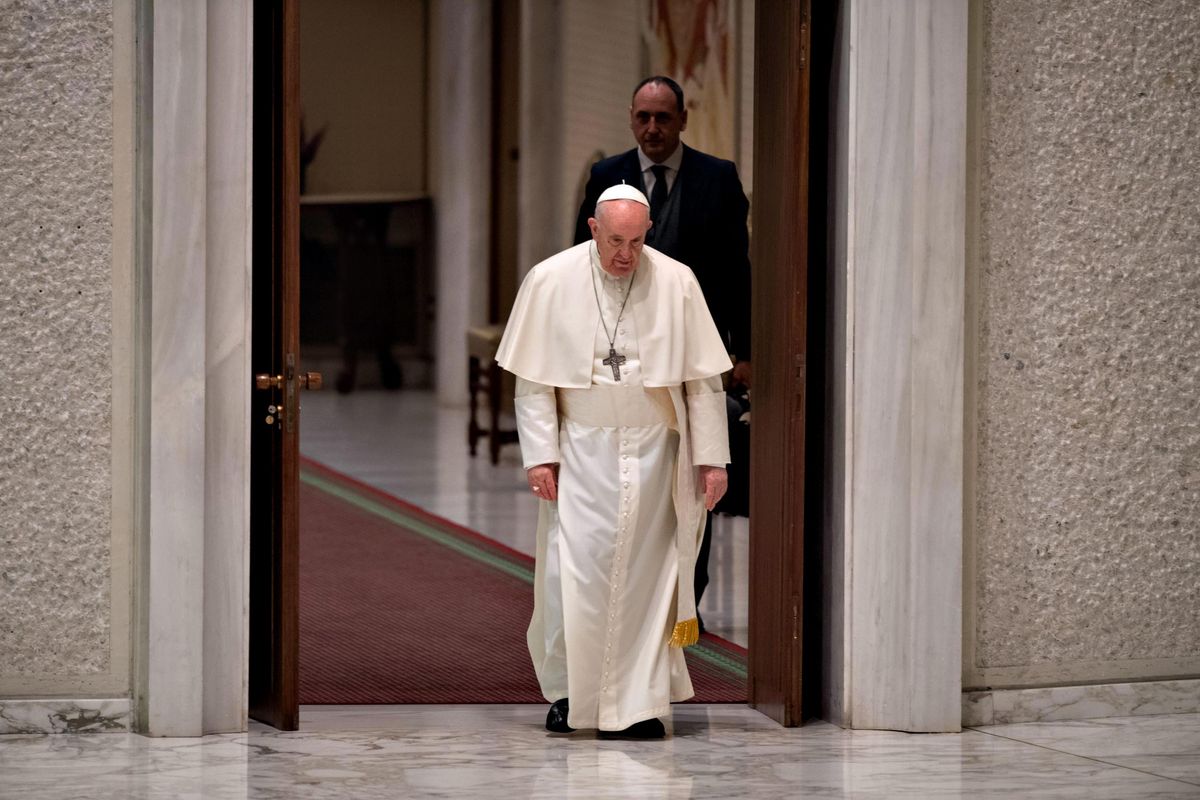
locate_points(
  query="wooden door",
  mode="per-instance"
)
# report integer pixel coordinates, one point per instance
(777, 447)
(506, 134)
(274, 402)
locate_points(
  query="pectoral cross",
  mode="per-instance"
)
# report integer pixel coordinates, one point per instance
(615, 361)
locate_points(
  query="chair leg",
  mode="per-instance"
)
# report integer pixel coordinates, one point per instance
(494, 384)
(473, 431)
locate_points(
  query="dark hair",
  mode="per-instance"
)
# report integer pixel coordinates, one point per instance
(667, 82)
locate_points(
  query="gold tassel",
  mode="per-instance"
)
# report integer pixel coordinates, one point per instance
(686, 633)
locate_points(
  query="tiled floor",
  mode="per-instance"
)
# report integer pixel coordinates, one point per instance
(715, 752)
(404, 444)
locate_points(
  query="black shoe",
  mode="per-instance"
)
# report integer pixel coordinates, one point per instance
(556, 720)
(646, 729)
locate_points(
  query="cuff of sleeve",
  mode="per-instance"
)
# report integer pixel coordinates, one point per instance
(709, 429)
(537, 428)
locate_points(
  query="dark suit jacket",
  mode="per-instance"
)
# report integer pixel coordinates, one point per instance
(713, 240)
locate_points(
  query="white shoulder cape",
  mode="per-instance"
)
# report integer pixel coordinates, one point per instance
(551, 333)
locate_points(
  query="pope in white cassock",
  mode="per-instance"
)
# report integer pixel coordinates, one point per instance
(623, 434)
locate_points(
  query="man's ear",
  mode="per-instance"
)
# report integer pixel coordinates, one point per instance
(593, 225)
(683, 120)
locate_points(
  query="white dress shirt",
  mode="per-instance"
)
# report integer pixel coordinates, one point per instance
(672, 164)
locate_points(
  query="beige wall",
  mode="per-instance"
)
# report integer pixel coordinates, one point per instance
(362, 73)
(1083, 559)
(65, 268)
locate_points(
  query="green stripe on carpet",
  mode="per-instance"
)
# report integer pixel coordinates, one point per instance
(445, 538)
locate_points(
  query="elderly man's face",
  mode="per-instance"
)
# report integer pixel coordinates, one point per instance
(656, 121)
(619, 230)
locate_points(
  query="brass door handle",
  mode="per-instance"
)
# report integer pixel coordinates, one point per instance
(307, 380)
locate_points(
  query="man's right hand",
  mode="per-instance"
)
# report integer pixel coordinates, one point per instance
(543, 481)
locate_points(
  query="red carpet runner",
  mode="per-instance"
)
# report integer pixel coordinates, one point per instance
(400, 606)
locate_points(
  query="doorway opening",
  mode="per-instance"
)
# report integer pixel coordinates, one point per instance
(364, 312)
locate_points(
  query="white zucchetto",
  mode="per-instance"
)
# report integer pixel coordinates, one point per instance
(623, 191)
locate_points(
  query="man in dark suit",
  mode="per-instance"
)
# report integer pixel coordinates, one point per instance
(698, 210)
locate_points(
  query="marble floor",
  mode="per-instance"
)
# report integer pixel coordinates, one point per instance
(714, 752)
(407, 445)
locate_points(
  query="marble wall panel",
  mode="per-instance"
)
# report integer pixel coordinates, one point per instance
(174, 553)
(1087, 475)
(65, 716)
(57, 598)
(895, 483)
(1046, 704)
(228, 413)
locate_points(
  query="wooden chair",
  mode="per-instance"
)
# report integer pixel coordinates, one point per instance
(482, 343)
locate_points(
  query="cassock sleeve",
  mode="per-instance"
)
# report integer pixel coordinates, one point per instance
(707, 422)
(537, 423)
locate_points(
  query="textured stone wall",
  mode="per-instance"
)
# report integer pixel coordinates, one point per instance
(56, 209)
(1088, 346)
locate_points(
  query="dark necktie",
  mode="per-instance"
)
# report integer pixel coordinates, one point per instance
(658, 195)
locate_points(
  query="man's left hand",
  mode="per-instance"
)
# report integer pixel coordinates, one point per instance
(715, 481)
(742, 373)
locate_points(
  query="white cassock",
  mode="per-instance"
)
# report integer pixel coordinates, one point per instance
(616, 552)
